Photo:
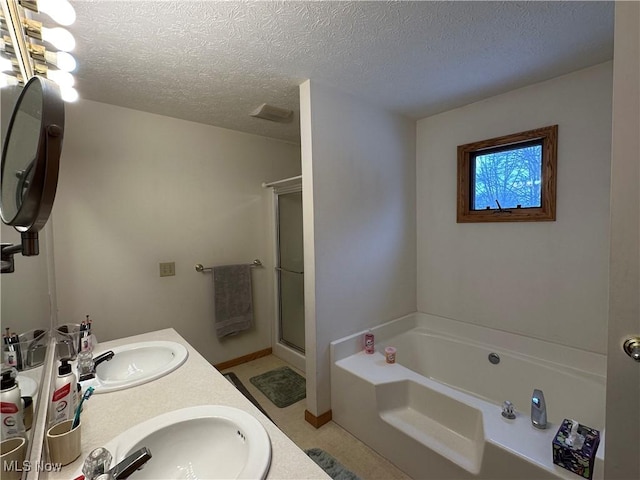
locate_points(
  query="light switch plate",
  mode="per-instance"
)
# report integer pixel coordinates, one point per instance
(167, 269)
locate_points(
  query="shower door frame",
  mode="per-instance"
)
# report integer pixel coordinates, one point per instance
(281, 347)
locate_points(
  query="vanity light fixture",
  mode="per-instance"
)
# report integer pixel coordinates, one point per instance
(60, 11)
(62, 78)
(63, 60)
(58, 36)
(36, 49)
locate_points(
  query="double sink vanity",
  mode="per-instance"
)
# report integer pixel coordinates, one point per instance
(195, 423)
(156, 391)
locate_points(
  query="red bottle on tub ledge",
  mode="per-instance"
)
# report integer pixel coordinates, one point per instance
(369, 345)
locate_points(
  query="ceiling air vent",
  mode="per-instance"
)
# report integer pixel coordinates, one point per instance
(274, 114)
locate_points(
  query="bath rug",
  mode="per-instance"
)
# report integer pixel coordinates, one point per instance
(282, 386)
(233, 378)
(330, 465)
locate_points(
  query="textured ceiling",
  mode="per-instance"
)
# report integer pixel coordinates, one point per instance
(214, 62)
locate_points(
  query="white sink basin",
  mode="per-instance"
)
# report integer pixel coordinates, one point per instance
(204, 442)
(137, 363)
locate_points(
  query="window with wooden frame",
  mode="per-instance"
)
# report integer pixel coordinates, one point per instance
(510, 178)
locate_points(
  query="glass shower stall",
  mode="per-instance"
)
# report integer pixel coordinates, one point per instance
(290, 268)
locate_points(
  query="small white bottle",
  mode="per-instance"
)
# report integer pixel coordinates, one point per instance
(12, 420)
(63, 400)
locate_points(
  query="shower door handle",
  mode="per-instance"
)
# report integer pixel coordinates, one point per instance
(289, 271)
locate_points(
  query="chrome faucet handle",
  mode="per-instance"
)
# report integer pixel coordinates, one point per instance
(508, 411)
(129, 465)
(96, 463)
(538, 410)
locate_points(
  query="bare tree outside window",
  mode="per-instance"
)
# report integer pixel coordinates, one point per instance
(509, 179)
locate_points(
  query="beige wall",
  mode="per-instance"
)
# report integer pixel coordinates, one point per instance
(25, 298)
(137, 189)
(359, 223)
(547, 280)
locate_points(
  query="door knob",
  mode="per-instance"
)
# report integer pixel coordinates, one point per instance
(631, 347)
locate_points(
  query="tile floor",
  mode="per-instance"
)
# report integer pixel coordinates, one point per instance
(331, 438)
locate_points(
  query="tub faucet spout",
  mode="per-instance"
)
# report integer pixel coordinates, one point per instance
(538, 410)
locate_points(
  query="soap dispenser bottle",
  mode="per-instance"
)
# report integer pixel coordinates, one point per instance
(12, 420)
(63, 398)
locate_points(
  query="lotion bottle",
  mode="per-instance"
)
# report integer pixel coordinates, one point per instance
(12, 421)
(64, 394)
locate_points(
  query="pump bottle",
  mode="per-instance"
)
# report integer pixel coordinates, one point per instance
(63, 398)
(11, 405)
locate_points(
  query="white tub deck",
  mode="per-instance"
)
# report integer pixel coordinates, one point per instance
(432, 430)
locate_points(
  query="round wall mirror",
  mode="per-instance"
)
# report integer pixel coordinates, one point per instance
(31, 156)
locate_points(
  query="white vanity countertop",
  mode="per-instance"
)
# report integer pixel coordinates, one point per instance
(196, 382)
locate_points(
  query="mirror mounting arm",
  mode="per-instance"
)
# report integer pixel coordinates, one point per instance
(29, 247)
(8, 250)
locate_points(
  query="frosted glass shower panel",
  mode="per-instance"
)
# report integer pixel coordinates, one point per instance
(292, 309)
(290, 231)
(291, 270)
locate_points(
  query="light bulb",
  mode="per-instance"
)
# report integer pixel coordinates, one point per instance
(63, 79)
(7, 80)
(69, 94)
(62, 60)
(59, 38)
(5, 65)
(59, 10)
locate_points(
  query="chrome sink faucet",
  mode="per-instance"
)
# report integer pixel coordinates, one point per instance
(105, 357)
(129, 465)
(88, 371)
(96, 464)
(538, 410)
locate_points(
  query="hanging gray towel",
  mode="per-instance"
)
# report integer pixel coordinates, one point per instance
(232, 297)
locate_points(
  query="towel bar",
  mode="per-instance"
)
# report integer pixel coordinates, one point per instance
(288, 271)
(200, 268)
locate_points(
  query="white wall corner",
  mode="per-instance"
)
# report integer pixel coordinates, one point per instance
(358, 163)
(309, 247)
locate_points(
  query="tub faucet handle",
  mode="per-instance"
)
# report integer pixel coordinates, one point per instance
(538, 410)
(508, 411)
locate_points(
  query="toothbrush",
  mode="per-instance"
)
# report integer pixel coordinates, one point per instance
(76, 418)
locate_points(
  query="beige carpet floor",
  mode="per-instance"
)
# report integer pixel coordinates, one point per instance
(331, 438)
